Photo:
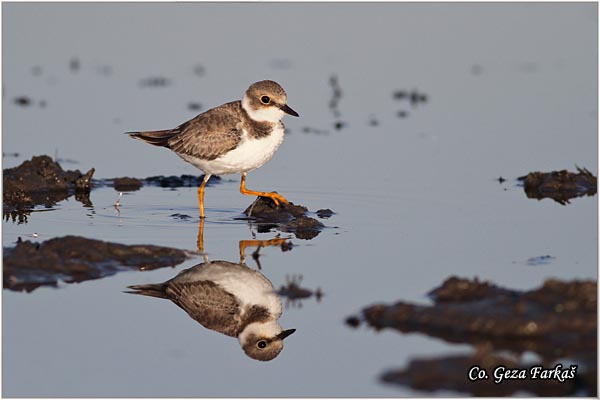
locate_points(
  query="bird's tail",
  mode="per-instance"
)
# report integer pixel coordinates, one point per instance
(152, 290)
(157, 138)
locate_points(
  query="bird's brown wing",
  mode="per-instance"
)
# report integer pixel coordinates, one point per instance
(207, 303)
(210, 134)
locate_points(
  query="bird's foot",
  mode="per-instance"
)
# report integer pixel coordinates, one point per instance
(275, 197)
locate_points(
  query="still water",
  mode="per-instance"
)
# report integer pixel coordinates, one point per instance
(502, 90)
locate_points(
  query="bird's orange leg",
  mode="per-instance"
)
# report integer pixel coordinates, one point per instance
(258, 243)
(276, 197)
(201, 195)
(200, 240)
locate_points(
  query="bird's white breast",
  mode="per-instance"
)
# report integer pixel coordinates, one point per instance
(250, 154)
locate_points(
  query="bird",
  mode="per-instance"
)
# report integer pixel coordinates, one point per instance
(229, 298)
(236, 137)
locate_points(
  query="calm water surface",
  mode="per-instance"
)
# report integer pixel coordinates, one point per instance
(510, 89)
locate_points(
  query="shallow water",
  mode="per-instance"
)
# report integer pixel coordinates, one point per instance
(415, 198)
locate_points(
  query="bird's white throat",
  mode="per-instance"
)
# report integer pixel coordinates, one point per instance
(268, 329)
(264, 114)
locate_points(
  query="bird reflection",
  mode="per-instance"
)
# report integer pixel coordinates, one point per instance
(229, 298)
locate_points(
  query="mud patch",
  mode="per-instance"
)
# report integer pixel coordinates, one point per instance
(285, 217)
(70, 259)
(41, 181)
(127, 184)
(560, 186)
(555, 321)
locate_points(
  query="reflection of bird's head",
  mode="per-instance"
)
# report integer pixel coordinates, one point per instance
(263, 340)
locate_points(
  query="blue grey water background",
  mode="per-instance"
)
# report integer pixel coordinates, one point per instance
(511, 88)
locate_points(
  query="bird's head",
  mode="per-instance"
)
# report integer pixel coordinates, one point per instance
(263, 341)
(266, 101)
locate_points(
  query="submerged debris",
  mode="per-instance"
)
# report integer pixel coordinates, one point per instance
(285, 217)
(155, 81)
(77, 259)
(183, 217)
(199, 70)
(557, 320)
(561, 186)
(74, 64)
(194, 106)
(317, 131)
(414, 96)
(295, 293)
(540, 260)
(23, 101)
(336, 96)
(41, 181)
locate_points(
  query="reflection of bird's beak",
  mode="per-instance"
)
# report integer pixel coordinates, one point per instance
(288, 110)
(285, 334)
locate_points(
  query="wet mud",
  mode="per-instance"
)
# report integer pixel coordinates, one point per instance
(555, 321)
(70, 259)
(560, 186)
(127, 184)
(285, 218)
(41, 181)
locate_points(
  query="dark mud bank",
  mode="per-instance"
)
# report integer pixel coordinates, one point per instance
(285, 217)
(556, 321)
(561, 186)
(70, 259)
(41, 181)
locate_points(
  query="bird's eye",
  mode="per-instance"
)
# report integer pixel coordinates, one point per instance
(265, 99)
(262, 344)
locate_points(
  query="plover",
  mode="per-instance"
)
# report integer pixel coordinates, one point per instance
(229, 298)
(236, 137)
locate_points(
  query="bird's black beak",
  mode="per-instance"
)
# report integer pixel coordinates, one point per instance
(285, 334)
(288, 110)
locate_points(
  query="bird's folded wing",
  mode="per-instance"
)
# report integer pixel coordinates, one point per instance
(207, 303)
(210, 134)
